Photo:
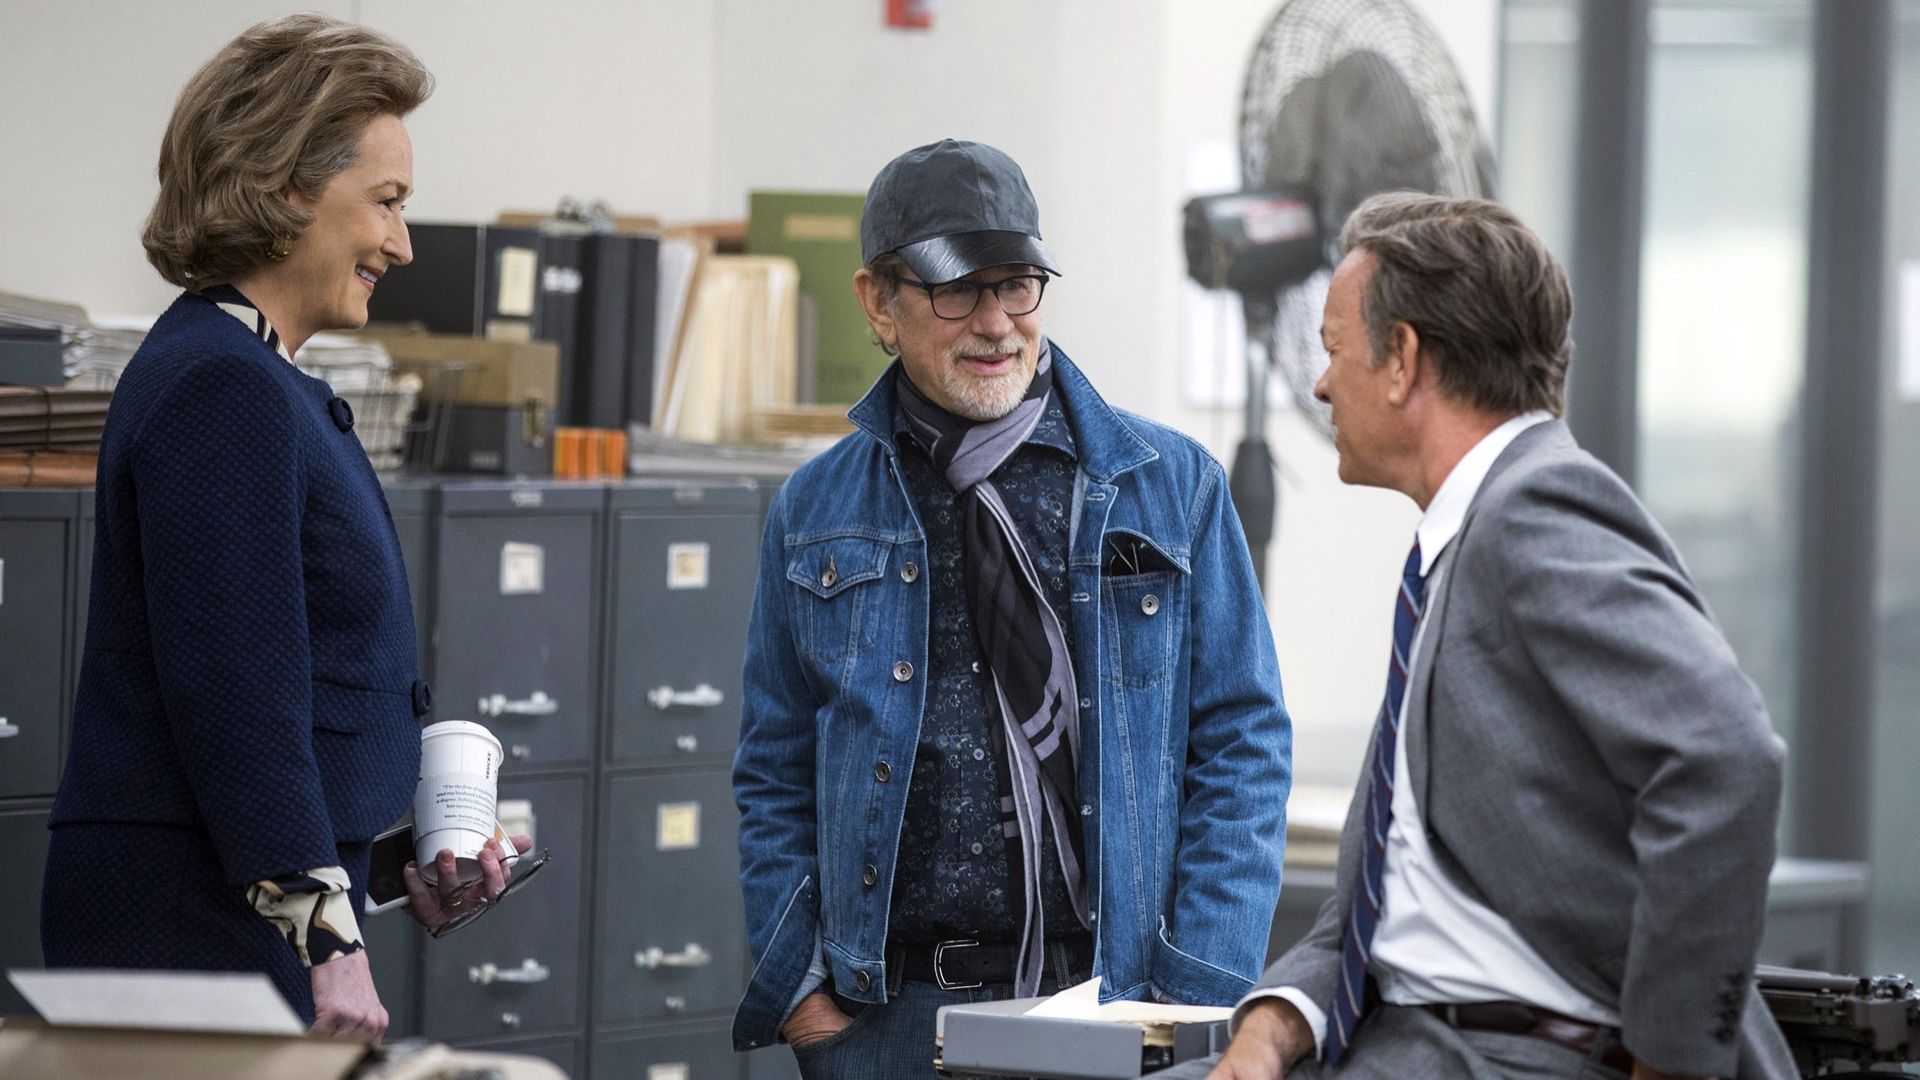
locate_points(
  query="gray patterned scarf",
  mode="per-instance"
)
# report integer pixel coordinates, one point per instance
(1038, 737)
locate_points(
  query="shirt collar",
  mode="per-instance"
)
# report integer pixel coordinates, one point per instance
(1448, 510)
(233, 302)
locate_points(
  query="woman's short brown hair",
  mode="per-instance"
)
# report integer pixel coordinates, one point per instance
(281, 108)
(1489, 301)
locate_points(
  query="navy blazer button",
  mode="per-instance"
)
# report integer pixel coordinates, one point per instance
(341, 412)
(422, 693)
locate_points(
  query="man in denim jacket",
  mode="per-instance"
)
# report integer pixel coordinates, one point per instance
(1012, 714)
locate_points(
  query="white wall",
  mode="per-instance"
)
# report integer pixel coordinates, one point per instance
(682, 108)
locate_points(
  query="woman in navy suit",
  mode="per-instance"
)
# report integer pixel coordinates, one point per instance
(248, 715)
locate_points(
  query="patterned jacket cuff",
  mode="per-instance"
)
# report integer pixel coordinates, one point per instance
(314, 910)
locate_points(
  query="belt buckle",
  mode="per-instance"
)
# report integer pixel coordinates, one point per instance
(940, 973)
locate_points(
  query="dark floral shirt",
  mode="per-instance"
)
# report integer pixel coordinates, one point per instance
(952, 879)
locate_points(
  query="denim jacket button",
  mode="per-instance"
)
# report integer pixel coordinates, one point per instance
(882, 771)
(910, 573)
(827, 579)
(863, 980)
(902, 671)
(1150, 604)
(870, 875)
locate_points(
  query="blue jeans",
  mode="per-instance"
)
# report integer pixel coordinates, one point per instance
(895, 1041)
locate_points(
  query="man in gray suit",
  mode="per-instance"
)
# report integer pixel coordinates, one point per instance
(1556, 863)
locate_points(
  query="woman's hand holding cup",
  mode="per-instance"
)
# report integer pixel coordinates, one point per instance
(433, 905)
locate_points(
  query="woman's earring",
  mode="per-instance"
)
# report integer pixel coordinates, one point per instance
(282, 247)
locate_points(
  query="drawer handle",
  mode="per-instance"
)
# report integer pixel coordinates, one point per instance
(539, 704)
(529, 971)
(700, 697)
(692, 956)
(8, 731)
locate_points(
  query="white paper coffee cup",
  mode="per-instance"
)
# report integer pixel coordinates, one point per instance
(457, 805)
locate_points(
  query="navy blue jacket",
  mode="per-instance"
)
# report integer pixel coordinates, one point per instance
(250, 667)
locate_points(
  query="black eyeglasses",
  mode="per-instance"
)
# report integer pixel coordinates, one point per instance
(479, 905)
(956, 300)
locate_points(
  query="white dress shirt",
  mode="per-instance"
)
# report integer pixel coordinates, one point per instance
(1434, 944)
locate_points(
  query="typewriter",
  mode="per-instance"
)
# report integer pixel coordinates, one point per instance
(1844, 1025)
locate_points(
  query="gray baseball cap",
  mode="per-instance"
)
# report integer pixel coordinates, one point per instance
(951, 208)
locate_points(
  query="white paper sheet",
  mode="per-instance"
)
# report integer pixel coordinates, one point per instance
(1082, 1002)
(230, 1002)
(1073, 1003)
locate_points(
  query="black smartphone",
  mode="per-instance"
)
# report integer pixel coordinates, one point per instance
(386, 885)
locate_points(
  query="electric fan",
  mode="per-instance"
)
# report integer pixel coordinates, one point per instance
(1344, 99)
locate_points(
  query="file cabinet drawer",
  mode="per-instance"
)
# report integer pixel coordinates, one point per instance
(670, 937)
(682, 596)
(562, 1052)
(521, 967)
(36, 608)
(691, 1054)
(516, 605)
(23, 849)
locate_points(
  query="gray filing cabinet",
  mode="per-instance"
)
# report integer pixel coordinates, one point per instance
(670, 958)
(599, 631)
(517, 597)
(38, 609)
(36, 612)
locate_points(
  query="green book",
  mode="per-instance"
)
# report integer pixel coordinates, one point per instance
(820, 232)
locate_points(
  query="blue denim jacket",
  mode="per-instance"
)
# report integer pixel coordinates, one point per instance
(1186, 748)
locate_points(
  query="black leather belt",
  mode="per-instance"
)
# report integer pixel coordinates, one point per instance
(1514, 1018)
(965, 964)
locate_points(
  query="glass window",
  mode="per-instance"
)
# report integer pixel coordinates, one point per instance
(1723, 291)
(1894, 927)
(1539, 116)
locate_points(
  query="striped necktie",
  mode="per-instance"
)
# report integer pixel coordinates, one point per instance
(1356, 940)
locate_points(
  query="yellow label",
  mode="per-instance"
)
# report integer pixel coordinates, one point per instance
(679, 826)
(687, 566)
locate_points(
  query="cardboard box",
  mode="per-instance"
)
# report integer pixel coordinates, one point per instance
(40, 1050)
(478, 371)
(183, 1025)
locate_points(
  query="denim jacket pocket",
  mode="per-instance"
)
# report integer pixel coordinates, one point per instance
(1141, 612)
(833, 578)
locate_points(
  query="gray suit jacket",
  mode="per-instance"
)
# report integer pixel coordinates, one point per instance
(1590, 763)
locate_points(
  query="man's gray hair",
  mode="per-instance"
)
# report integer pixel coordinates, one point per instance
(1489, 301)
(887, 269)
